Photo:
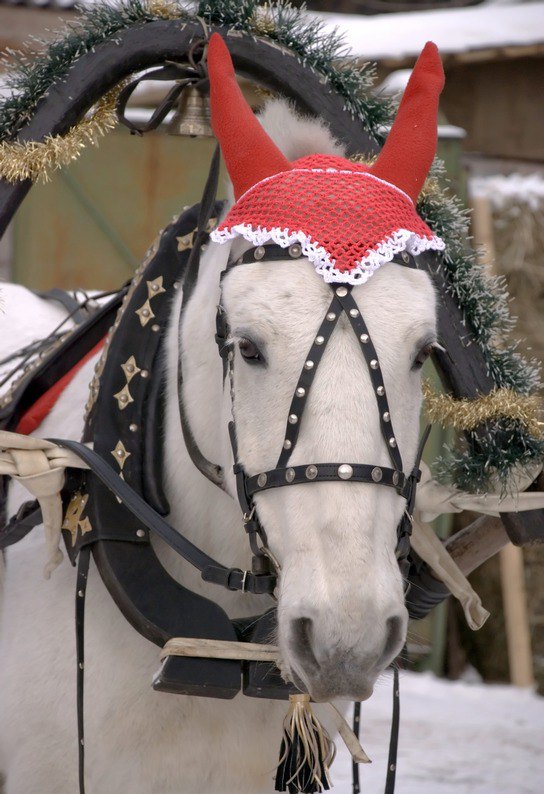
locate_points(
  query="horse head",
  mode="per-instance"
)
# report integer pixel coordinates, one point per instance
(341, 612)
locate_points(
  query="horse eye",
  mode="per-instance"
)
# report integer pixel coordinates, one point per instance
(422, 356)
(249, 350)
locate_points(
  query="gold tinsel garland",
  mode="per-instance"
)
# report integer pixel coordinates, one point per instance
(38, 159)
(467, 414)
(164, 9)
(262, 21)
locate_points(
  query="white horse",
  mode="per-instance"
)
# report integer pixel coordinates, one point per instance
(335, 541)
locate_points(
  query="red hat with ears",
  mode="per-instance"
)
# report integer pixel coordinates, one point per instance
(349, 218)
(249, 153)
(409, 150)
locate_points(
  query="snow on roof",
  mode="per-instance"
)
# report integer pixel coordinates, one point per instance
(492, 25)
(518, 188)
(455, 30)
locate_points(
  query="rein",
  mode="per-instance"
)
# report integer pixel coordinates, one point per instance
(211, 471)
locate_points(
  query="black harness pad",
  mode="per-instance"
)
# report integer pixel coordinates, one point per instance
(125, 424)
(130, 388)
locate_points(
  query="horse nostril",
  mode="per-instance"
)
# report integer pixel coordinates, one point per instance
(302, 639)
(394, 628)
(302, 630)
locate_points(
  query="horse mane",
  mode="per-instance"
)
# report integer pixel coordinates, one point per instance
(296, 135)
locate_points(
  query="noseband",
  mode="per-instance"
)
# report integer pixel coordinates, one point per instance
(284, 475)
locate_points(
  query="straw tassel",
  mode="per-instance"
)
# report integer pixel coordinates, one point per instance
(307, 750)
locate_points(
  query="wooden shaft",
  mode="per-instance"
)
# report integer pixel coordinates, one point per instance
(473, 545)
(511, 557)
(515, 614)
(482, 225)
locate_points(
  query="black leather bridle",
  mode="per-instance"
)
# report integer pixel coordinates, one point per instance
(283, 475)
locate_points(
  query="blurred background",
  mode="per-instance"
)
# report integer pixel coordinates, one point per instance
(90, 226)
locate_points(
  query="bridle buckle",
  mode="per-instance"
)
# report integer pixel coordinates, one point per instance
(244, 582)
(247, 517)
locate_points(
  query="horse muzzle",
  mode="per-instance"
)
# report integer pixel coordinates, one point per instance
(328, 667)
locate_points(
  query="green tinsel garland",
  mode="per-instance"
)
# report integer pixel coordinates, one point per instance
(483, 299)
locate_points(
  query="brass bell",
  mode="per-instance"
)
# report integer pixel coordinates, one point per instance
(192, 116)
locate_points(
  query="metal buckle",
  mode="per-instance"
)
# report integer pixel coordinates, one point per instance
(267, 553)
(244, 582)
(230, 573)
(247, 517)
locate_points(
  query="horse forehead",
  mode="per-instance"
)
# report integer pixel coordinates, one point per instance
(398, 297)
(291, 294)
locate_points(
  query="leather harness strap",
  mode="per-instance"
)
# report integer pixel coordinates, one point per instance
(393, 737)
(328, 472)
(76, 311)
(302, 390)
(81, 590)
(211, 471)
(211, 570)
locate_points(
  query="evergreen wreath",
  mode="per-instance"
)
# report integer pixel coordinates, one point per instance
(489, 451)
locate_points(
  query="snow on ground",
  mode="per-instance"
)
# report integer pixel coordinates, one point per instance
(455, 738)
(453, 30)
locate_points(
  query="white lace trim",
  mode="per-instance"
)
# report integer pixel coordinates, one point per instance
(400, 240)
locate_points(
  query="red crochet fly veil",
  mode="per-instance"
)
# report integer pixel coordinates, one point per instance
(349, 218)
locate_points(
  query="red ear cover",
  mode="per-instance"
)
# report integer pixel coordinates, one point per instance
(249, 153)
(410, 147)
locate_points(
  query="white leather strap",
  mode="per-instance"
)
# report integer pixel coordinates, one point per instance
(39, 466)
(430, 549)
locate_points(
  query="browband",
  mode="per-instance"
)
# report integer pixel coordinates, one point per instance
(274, 252)
(327, 472)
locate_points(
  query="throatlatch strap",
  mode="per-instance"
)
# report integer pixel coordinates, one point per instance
(356, 785)
(81, 589)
